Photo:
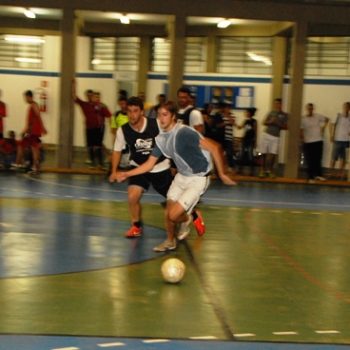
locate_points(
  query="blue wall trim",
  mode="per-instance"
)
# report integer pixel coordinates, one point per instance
(35, 73)
(29, 73)
(220, 79)
(286, 80)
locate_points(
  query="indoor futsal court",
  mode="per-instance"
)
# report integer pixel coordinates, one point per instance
(270, 273)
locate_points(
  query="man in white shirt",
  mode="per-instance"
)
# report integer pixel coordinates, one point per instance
(340, 136)
(311, 133)
(187, 113)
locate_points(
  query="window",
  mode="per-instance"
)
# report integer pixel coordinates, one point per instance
(244, 55)
(20, 51)
(327, 56)
(115, 54)
(195, 55)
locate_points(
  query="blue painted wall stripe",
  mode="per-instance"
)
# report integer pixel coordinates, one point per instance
(151, 76)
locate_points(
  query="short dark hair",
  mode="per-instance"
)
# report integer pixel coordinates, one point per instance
(122, 98)
(251, 111)
(28, 93)
(135, 101)
(185, 90)
(89, 91)
(278, 100)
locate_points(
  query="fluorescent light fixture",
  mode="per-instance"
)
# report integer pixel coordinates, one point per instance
(259, 58)
(24, 39)
(29, 13)
(27, 60)
(124, 19)
(224, 23)
(96, 61)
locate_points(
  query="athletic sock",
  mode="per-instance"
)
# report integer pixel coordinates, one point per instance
(194, 215)
(137, 223)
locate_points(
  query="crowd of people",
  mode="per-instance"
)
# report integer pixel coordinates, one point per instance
(214, 121)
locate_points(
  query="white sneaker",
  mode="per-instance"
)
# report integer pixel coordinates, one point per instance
(165, 246)
(320, 178)
(184, 229)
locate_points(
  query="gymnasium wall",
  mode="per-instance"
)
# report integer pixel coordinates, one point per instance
(328, 94)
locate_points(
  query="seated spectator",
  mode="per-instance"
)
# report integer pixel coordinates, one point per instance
(8, 150)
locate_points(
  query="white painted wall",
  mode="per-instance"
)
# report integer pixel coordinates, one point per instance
(328, 99)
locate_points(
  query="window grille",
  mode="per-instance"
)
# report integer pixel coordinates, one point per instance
(20, 51)
(244, 55)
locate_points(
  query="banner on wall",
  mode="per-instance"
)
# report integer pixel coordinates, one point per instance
(239, 97)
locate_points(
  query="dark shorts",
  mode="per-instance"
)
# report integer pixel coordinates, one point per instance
(94, 137)
(160, 181)
(339, 150)
(31, 141)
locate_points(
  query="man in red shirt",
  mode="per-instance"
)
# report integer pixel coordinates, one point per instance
(2, 115)
(33, 130)
(95, 114)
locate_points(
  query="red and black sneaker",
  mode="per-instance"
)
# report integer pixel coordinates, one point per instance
(133, 232)
(199, 223)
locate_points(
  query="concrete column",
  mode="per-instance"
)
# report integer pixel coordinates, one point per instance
(176, 34)
(144, 62)
(66, 126)
(278, 66)
(211, 54)
(295, 99)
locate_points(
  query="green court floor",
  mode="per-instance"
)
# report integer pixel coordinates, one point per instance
(259, 274)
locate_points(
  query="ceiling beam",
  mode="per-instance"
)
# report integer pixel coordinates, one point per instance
(117, 29)
(252, 9)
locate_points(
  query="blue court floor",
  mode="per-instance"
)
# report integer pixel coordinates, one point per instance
(62, 248)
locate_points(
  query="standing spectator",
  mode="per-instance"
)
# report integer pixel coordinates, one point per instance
(103, 113)
(2, 116)
(250, 127)
(311, 133)
(120, 118)
(187, 113)
(340, 136)
(229, 123)
(92, 122)
(213, 124)
(275, 121)
(32, 132)
(8, 150)
(161, 98)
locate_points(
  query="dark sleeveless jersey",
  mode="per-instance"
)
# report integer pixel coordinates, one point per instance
(142, 143)
(185, 117)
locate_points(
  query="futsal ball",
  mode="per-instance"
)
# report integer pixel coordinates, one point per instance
(173, 270)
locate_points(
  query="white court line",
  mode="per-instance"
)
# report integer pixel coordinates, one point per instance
(244, 335)
(297, 212)
(327, 332)
(69, 348)
(110, 345)
(285, 333)
(204, 337)
(155, 341)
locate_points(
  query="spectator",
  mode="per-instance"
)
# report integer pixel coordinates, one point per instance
(8, 150)
(32, 132)
(187, 113)
(275, 121)
(340, 131)
(2, 116)
(250, 127)
(311, 133)
(161, 98)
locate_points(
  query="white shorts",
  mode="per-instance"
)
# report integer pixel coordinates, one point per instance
(187, 190)
(268, 144)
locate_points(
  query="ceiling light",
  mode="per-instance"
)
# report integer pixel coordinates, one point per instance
(29, 13)
(24, 39)
(27, 60)
(259, 58)
(224, 23)
(124, 19)
(96, 61)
